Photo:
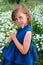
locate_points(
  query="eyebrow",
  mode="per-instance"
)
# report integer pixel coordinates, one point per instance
(19, 17)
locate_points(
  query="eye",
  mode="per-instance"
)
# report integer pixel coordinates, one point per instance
(20, 17)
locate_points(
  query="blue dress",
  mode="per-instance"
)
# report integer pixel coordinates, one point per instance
(12, 56)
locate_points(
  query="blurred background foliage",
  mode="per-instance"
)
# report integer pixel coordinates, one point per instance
(7, 25)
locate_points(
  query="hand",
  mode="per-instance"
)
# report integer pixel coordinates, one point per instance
(11, 37)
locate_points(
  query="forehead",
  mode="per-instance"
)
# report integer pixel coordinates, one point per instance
(19, 13)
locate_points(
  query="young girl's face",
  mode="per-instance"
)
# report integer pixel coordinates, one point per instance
(21, 19)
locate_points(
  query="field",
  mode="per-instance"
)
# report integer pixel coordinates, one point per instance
(7, 25)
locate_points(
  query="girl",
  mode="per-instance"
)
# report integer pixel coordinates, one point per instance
(21, 50)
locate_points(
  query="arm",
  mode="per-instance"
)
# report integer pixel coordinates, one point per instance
(26, 43)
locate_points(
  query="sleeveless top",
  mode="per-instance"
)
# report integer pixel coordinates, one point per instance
(13, 54)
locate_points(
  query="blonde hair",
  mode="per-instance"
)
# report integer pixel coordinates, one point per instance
(24, 9)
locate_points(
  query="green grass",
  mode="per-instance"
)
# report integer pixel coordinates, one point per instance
(6, 6)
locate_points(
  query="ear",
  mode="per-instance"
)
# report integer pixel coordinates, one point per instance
(27, 15)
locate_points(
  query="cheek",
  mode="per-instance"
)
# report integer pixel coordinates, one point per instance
(22, 21)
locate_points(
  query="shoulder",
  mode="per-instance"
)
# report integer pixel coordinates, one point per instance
(28, 33)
